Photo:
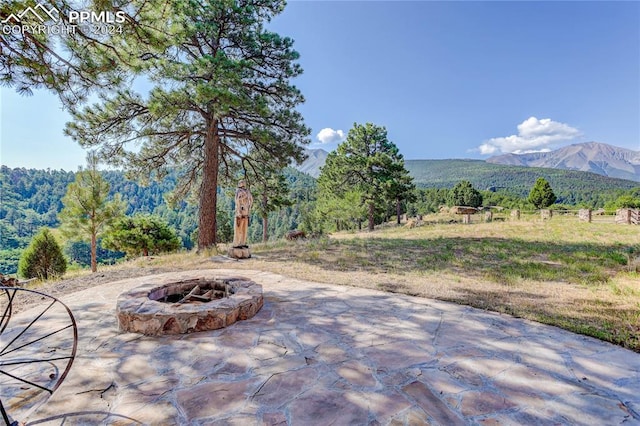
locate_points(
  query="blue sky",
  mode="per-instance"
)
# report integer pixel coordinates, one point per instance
(447, 79)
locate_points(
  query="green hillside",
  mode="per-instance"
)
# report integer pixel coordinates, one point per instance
(571, 187)
(31, 199)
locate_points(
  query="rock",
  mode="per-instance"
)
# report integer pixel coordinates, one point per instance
(239, 253)
(295, 235)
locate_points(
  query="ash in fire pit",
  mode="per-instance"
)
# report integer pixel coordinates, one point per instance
(186, 302)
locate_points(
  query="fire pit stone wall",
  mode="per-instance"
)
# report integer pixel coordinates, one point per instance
(138, 312)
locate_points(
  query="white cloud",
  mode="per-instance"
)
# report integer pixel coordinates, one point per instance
(533, 136)
(328, 135)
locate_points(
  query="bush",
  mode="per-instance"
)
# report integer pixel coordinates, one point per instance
(624, 202)
(141, 234)
(43, 257)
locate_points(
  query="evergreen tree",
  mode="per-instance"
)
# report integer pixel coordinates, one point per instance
(141, 234)
(541, 195)
(401, 187)
(464, 194)
(366, 162)
(269, 188)
(72, 64)
(346, 211)
(87, 213)
(222, 92)
(43, 258)
(224, 222)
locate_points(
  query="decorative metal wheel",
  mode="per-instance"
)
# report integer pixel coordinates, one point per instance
(37, 348)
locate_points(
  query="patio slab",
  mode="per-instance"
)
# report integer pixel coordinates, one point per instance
(324, 354)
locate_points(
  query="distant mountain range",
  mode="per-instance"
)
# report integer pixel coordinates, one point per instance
(571, 186)
(592, 157)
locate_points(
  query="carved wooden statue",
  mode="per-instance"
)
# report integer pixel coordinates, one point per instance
(244, 200)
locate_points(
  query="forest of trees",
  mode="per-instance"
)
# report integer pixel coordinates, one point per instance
(32, 199)
(570, 186)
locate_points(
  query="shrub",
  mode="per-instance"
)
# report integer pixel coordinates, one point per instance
(43, 257)
(141, 234)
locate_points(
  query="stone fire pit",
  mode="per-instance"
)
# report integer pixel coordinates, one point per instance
(174, 303)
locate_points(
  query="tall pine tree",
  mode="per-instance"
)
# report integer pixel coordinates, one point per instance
(368, 163)
(222, 90)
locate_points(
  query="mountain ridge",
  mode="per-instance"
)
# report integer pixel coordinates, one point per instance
(595, 157)
(316, 158)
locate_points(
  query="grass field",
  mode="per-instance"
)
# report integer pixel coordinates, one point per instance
(583, 277)
(578, 276)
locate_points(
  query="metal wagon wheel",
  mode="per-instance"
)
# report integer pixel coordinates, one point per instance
(37, 349)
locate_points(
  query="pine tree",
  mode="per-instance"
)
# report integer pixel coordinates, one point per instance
(87, 213)
(222, 92)
(464, 194)
(369, 163)
(69, 63)
(541, 195)
(401, 187)
(141, 234)
(43, 257)
(269, 188)
(343, 212)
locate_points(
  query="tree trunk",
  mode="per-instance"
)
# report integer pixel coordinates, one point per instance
(371, 215)
(145, 252)
(209, 188)
(265, 237)
(264, 218)
(398, 211)
(94, 254)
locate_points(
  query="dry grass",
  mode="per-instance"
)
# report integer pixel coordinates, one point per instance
(578, 276)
